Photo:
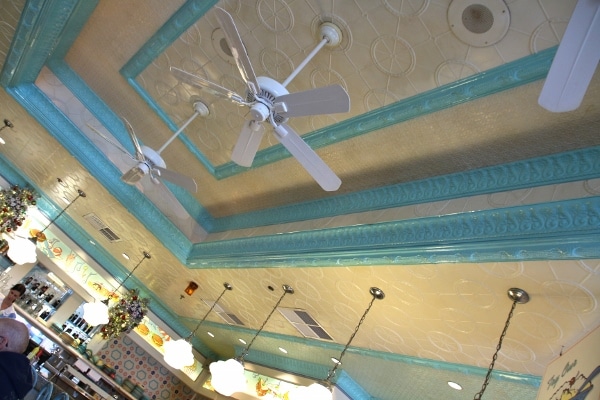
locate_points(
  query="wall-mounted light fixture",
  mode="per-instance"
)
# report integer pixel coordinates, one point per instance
(191, 288)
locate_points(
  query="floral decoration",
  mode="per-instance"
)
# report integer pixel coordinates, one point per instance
(125, 314)
(14, 203)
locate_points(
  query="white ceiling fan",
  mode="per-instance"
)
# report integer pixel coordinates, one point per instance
(149, 161)
(575, 61)
(269, 101)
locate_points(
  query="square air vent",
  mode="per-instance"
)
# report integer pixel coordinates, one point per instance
(227, 316)
(305, 324)
(101, 227)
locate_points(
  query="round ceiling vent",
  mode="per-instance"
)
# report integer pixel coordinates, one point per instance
(479, 23)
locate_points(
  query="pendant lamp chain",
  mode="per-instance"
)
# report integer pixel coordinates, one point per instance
(377, 294)
(286, 289)
(227, 287)
(146, 256)
(518, 296)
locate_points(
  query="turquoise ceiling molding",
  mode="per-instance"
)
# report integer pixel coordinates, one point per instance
(317, 371)
(557, 230)
(488, 180)
(549, 170)
(44, 26)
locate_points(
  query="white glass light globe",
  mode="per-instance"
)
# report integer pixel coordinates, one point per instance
(178, 353)
(95, 313)
(314, 391)
(228, 377)
(22, 251)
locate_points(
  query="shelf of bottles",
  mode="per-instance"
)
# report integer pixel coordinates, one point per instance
(77, 327)
(45, 293)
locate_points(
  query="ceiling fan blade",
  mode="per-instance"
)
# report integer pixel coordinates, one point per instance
(238, 50)
(326, 100)
(139, 155)
(313, 164)
(114, 143)
(247, 145)
(575, 61)
(207, 86)
(183, 181)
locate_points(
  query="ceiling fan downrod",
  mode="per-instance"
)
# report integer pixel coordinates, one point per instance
(331, 35)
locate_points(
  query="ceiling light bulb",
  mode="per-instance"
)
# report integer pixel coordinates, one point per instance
(210, 334)
(281, 349)
(125, 256)
(454, 385)
(242, 341)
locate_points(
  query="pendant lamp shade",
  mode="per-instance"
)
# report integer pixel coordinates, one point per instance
(314, 391)
(227, 376)
(95, 313)
(21, 251)
(178, 353)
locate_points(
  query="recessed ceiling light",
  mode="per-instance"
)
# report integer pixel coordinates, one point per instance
(242, 340)
(210, 334)
(125, 256)
(335, 360)
(281, 349)
(454, 385)
(92, 242)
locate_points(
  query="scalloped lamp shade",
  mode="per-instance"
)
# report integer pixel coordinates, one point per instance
(95, 313)
(315, 391)
(22, 251)
(228, 377)
(178, 353)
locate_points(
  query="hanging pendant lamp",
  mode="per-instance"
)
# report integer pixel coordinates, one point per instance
(24, 250)
(228, 376)
(518, 296)
(323, 391)
(97, 313)
(178, 353)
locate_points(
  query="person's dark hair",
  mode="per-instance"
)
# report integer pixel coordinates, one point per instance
(19, 287)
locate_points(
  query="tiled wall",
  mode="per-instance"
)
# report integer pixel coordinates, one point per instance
(131, 361)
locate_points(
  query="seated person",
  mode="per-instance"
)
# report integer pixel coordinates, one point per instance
(16, 378)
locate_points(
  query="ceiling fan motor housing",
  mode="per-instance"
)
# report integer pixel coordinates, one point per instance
(270, 90)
